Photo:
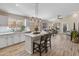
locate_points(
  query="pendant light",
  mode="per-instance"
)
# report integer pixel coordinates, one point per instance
(36, 9)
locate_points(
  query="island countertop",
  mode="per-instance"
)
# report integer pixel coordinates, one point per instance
(35, 35)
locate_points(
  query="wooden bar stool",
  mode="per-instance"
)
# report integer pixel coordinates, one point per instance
(40, 45)
(49, 40)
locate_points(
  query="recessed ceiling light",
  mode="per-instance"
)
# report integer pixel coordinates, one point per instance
(17, 4)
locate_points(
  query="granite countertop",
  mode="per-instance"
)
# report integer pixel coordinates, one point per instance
(6, 33)
(35, 35)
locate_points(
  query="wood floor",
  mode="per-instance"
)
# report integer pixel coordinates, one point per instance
(61, 46)
(15, 50)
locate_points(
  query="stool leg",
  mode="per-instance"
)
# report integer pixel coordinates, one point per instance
(33, 47)
(46, 49)
(40, 49)
(50, 43)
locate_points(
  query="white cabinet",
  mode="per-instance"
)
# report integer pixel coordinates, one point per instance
(3, 20)
(3, 41)
(10, 39)
(22, 37)
(16, 38)
(29, 44)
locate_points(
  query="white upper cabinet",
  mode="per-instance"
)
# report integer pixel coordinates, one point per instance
(3, 20)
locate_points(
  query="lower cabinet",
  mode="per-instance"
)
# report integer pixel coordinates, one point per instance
(16, 38)
(10, 39)
(22, 37)
(3, 41)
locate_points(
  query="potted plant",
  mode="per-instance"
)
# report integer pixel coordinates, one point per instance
(36, 29)
(22, 28)
(75, 36)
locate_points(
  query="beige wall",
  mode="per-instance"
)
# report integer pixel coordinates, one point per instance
(69, 20)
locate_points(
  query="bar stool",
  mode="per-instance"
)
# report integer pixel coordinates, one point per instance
(49, 40)
(40, 45)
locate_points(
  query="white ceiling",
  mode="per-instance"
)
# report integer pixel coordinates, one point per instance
(45, 10)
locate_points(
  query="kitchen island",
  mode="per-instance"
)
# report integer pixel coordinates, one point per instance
(29, 38)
